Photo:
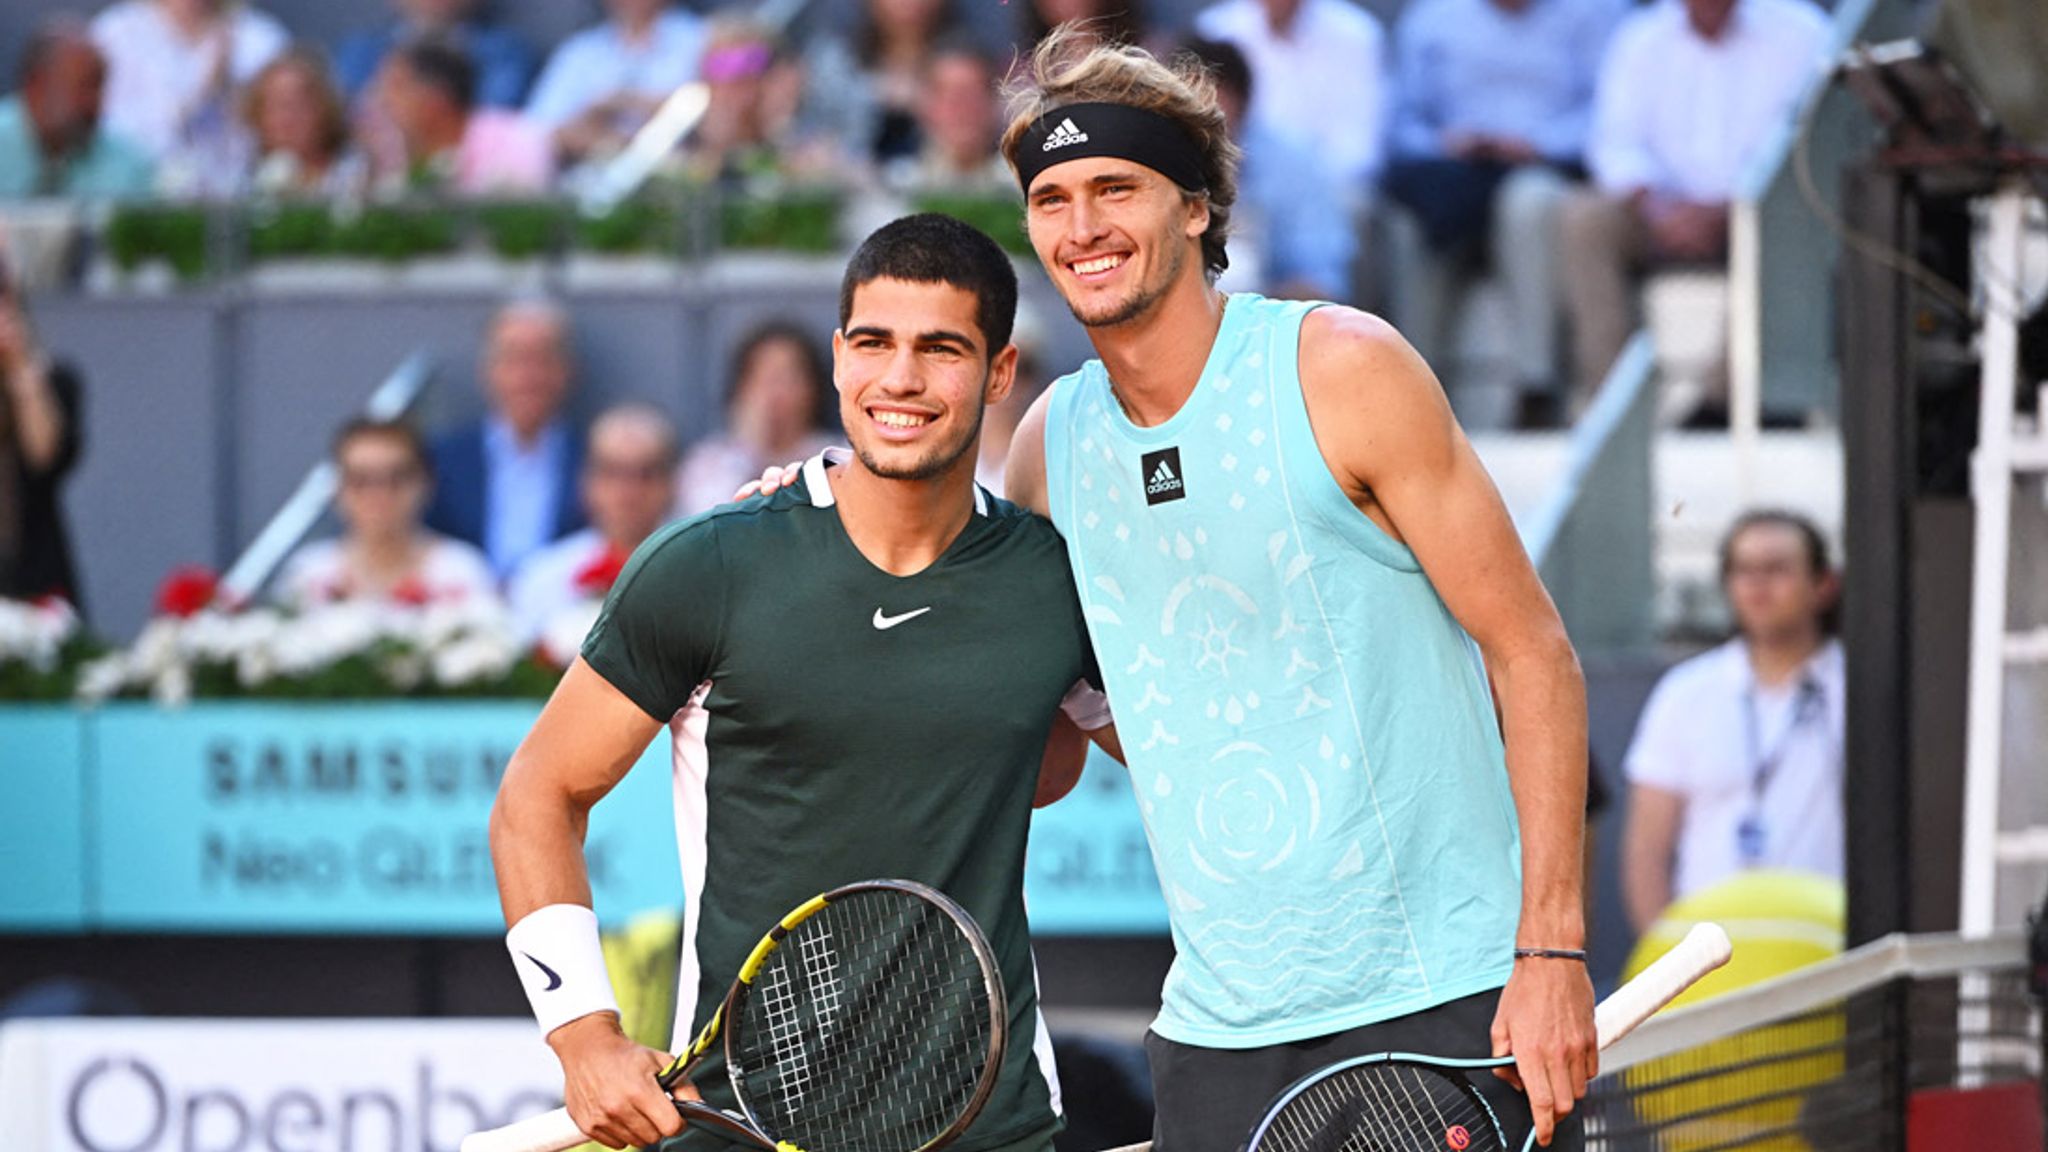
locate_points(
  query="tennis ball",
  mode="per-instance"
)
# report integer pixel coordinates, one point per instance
(1750, 1088)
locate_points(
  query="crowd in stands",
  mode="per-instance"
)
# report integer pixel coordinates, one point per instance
(1560, 148)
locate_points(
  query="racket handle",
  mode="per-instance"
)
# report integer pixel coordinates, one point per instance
(548, 1132)
(1704, 949)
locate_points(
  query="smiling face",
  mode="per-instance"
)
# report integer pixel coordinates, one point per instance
(914, 372)
(384, 485)
(1115, 236)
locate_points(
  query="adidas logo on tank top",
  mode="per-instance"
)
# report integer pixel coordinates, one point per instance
(1162, 476)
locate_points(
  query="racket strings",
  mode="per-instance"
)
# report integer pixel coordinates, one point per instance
(869, 1029)
(1391, 1106)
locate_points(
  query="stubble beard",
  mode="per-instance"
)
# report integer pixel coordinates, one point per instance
(937, 462)
(1141, 300)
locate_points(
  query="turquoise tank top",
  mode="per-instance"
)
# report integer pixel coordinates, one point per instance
(1310, 733)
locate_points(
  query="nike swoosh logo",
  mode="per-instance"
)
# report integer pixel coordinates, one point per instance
(554, 979)
(884, 623)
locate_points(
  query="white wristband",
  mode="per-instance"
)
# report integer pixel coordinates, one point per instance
(560, 960)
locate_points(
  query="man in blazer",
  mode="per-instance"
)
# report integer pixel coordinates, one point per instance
(507, 483)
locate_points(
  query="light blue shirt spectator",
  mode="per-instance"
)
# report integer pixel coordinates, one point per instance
(503, 63)
(107, 167)
(1302, 232)
(599, 62)
(522, 488)
(1525, 71)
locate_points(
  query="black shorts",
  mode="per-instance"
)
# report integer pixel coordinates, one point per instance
(1209, 1099)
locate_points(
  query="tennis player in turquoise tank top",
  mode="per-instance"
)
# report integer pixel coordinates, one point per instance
(1297, 577)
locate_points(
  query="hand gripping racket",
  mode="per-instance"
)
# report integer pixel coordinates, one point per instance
(871, 1019)
(1400, 1102)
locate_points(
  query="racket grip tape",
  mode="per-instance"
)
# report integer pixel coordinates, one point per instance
(548, 1132)
(1704, 949)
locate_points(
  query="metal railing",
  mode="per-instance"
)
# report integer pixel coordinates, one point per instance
(1591, 538)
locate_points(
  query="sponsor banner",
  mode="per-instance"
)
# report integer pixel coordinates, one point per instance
(276, 1085)
(340, 818)
(334, 817)
(1090, 871)
(42, 823)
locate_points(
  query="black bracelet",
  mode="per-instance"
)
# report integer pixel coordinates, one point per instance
(1578, 954)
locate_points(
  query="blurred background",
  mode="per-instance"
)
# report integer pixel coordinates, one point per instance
(348, 349)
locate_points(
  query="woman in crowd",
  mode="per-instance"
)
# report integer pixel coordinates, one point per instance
(776, 411)
(296, 116)
(866, 93)
(383, 554)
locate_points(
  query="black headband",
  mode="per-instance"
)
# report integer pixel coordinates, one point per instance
(1118, 130)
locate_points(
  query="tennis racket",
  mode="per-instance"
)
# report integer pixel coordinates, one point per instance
(1400, 1102)
(871, 1019)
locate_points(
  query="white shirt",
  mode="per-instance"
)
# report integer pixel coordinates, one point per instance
(596, 62)
(1322, 84)
(1677, 114)
(1697, 738)
(155, 78)
(450, 572)
(545, 586)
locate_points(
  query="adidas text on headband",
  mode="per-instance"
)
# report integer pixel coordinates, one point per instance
(1078, 130)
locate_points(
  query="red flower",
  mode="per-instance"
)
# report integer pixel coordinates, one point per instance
(597, 577)
(186, 591)
(411, 590)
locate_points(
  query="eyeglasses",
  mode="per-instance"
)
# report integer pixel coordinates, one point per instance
(366, 479)
(629, 473)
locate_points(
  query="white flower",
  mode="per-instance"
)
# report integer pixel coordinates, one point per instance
(157, 649)
(35, 633)
(103, 679)
(472, 659)
(172, 687)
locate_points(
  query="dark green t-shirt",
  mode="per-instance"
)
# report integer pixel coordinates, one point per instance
(833, 722)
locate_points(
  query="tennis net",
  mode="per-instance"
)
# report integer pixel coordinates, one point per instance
(1904, 1040)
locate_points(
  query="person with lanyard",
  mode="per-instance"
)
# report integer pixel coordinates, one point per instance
(1736, 763)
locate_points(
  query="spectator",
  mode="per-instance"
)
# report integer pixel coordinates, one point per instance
(1494, 101)
(40, 435)
(301, 131)
(1737, 760)
(383, 554)
(958, 127)
(628, 489)
(428, 89)
(1318, 80)
(869, 95)
(775, 412)
(755, 90)
(503, 62)
(507, 483)
(174, 69)
(51, 140)
(1688, 95)
(1290, 234)
(604, 82)
(1103, 21)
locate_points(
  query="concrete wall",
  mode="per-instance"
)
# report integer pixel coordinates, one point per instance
(204, 409)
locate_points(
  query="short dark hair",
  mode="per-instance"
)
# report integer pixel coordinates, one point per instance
(1224, 61)
(441, 64)
(365, 427)
(929, 248)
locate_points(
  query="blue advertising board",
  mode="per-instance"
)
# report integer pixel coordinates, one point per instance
(338, 818)
(42, 821)
(373, 817)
